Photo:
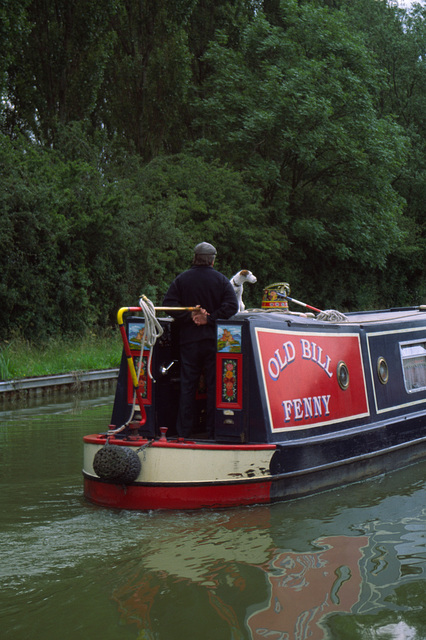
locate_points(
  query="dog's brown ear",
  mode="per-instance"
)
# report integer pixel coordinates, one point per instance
(244, 272)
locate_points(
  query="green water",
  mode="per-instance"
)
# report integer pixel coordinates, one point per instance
(347, 564)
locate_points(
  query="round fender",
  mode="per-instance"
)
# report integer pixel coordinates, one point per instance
(117, 464)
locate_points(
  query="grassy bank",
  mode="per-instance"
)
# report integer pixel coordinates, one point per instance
(21, 359)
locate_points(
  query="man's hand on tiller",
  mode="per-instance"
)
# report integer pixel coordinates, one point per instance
(199, 315)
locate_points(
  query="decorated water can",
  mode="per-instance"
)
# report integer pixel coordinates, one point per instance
(271, 299)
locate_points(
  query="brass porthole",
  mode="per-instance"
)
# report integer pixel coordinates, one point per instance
(343, 375)
(382, 370)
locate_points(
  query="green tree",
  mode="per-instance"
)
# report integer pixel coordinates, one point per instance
(210, 16)
(148, 76)
(397, 39)
(60, 234)
(174, 202)
(56, 71)
(13, 30)
(295, 109)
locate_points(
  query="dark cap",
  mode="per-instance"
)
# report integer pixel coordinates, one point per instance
(205, 249)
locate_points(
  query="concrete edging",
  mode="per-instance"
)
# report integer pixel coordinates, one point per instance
(73, 379)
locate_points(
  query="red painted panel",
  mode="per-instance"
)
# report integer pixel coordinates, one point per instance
(145, 497)
(229, 382)
(145, 382)
(299, 373)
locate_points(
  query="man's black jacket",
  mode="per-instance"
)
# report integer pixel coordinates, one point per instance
(204, 286)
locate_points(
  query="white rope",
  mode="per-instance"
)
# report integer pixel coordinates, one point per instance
(152, 331)
(332, 315)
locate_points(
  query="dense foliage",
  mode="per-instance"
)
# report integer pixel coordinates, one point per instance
(290, 133)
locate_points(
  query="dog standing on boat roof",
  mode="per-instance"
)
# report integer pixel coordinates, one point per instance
(238, 281)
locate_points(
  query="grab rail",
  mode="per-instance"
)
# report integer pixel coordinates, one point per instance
(129, 357)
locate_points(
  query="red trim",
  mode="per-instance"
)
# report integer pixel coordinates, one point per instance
(145, 497)
(175, 444)
(275, 304)
(143, 379)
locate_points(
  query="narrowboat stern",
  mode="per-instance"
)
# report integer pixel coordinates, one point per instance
(303, 404)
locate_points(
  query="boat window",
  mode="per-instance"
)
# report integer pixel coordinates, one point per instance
(413, 356)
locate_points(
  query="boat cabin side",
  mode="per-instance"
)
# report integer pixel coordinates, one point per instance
(280, 377)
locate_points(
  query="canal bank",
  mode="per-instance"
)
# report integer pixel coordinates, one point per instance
(64, 383)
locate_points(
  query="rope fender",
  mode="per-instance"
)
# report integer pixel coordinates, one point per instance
(117, 464)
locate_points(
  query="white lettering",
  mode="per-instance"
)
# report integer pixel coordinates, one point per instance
(276, 364)
(307, 402)
(290, 351)
(317, 406)
(287, 404)
(306, 408)
(312, 351)
(326, 368)
(325, 401)
(282, 364)
(298, 412)
(324, 365)
(274, 368)
(306, 349)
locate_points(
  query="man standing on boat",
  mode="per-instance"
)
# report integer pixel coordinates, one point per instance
(210, 291)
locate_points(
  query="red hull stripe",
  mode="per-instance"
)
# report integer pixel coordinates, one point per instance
(146, 497)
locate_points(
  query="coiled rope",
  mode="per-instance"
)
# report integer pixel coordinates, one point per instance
(332, 315)
(152, 331)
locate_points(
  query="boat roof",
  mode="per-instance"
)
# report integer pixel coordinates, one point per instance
(397, 315)
(387, 315)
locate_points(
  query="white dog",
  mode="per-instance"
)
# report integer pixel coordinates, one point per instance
(238, 281)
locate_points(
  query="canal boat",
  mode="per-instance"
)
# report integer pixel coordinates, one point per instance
(305, 402)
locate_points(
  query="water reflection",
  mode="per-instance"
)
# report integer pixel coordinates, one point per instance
(247, 586)
(54, 403)
(347, 564)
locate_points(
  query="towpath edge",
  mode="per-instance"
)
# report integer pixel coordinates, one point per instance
(71, 381)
